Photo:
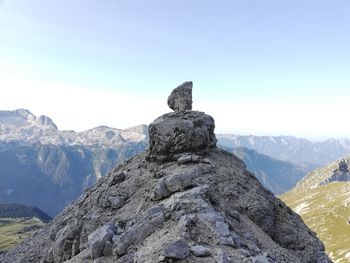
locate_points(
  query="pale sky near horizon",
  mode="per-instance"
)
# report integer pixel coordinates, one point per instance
(259, 67)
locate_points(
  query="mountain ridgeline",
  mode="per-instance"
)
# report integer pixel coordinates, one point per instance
(322, 199)
(182, 200)
(276, 175)
(22, 211)
(290, 149)
(49, 168)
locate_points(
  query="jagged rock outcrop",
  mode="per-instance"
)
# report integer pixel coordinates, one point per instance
(174, 134)
(180, 98)
(183, 200)
(183, 132)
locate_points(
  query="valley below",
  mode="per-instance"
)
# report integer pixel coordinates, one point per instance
(14, 230)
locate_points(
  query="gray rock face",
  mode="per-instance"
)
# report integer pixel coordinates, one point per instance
(223, 258)
(181, 132)
(99, 238)
(150, 211)
(177, 250)
(200, 251)
(180, 98)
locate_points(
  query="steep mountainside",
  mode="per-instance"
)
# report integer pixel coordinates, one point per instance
(276, 175)
(334, 172)
(183, 200)
(48, 168)
(322, 199)
(290, 149)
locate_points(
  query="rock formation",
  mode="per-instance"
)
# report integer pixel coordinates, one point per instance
(181, 97)
(183, 200)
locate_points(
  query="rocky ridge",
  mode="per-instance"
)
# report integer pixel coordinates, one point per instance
(183, 200)
(290, 149)
(322, 199)
(338, 171)
(22, 125)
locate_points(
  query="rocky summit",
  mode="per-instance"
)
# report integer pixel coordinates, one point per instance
(182, 200)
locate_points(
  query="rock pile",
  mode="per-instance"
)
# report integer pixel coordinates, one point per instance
(183, 200)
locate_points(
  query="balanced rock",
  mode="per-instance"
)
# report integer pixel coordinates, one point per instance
(182, 131)
(181, 97)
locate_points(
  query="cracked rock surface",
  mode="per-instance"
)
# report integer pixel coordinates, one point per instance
(183, 200)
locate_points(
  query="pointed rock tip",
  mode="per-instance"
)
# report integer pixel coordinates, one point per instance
(180, 98)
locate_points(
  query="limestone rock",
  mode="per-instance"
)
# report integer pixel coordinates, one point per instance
(200, 251)
(98, 239)
(181, 132)
(180, 98)
(223, 258)
(108, 249)
(177, 250)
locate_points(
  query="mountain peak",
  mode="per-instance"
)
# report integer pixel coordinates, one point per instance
(337, 171)
(181, 200)
(25, 114)
(46, 122)
(181, 132)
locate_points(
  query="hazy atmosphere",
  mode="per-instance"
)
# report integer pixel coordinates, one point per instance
(158, 131)
(259, 67)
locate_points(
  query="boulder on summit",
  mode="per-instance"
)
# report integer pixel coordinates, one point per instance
(180, 98)
(183, 200)
(182, 131)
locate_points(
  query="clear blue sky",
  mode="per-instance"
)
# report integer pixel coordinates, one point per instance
(258, 66)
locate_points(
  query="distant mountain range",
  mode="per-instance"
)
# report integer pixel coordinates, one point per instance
(276, 175)
(322, 199)
(23, 211)
(48, 168)
(290, 149)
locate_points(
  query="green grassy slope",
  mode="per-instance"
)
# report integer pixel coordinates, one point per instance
(326, 210)
(14, 230)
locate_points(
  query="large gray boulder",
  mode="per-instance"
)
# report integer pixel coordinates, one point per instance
(99, 238)
(181, 97)
(177, 250)
(181, 132)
